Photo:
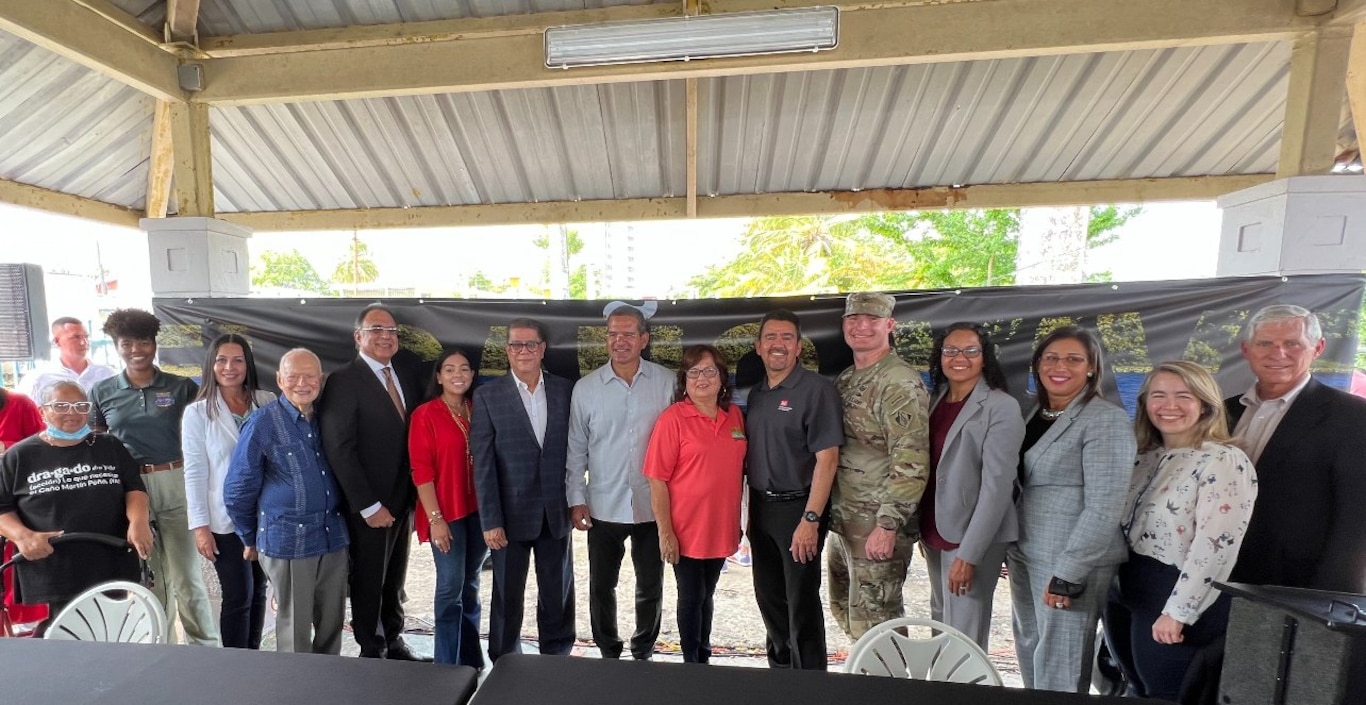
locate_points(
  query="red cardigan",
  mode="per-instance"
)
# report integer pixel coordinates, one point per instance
(439, 452)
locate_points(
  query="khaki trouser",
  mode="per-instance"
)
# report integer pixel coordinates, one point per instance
(175, 562)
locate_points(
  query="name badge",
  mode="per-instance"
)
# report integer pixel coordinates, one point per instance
(164, 400)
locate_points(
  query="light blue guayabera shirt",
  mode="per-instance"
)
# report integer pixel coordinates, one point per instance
(609, 429)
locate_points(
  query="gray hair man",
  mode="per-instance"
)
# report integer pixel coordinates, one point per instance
(1307, 441)
(286, 507)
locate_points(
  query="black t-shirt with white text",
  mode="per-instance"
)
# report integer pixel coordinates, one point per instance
(75, 488)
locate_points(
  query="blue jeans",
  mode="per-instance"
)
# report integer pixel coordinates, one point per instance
(457, 594)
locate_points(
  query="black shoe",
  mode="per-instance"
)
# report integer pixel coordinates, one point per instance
(371, 654)
(401, 652)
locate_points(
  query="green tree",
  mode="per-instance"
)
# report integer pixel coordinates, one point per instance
(287, 270)
(805, 255)
(356, 268)
(480, 283)
(576, 273)
(953, 248)
(975, 247)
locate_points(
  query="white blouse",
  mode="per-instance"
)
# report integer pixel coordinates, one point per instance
(1189, 508)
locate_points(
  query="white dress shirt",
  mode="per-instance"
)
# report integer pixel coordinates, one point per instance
(378, 368)
(535, 404)
(41, 377)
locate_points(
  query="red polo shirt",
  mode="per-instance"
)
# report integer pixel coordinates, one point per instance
(703, 463)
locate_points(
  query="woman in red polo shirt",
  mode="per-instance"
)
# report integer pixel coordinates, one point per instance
(695, 465)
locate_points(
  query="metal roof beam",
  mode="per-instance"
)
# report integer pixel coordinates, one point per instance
(746, 206)
(182, 20)
(1356, 81)
(21, 194)
(877, 35)
(76, 32)
(1313, 105)
(161, 162)
(193, 161)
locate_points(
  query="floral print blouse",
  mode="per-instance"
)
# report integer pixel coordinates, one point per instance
(1189, 508)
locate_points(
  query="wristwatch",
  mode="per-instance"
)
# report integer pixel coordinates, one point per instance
(811, 516)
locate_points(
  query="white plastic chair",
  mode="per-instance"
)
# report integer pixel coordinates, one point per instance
(116, 611)
(948, 655)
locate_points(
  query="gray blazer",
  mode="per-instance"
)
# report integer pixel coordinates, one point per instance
(974, 482)
(1076, 482)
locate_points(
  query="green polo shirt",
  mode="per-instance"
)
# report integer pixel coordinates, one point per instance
(147, 420)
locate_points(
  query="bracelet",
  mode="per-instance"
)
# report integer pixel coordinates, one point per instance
(435, 516)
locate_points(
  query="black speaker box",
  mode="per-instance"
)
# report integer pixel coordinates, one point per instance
(24, 333)
(1292, 646)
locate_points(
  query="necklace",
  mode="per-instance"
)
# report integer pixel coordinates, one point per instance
(462, 422)
(1050, 415)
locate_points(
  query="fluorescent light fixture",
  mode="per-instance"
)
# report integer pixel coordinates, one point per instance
(806, 29)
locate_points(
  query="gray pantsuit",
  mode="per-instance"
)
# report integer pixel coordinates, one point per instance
(311, 593)
(973, 507)
(1075, 484)
(969, 613)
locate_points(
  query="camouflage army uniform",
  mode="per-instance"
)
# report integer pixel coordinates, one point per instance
(883, 467)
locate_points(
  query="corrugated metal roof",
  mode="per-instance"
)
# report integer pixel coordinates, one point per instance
(1179, 112)
(66, 128)
(1138, 114)
(586, 142)
(226, 17)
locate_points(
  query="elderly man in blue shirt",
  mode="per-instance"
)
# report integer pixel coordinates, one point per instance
(286, 505)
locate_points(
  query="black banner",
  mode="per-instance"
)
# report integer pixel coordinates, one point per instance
(1139, 323)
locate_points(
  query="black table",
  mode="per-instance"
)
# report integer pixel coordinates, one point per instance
(43, 672)
(527, 679)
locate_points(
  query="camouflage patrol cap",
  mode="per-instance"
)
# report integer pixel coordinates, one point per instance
(869, 303)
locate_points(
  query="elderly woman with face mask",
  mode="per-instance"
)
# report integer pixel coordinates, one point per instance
(68, 479)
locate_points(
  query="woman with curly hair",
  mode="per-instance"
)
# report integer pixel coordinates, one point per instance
(142, 406)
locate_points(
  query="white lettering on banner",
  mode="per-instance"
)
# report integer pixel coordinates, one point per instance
(75, 477)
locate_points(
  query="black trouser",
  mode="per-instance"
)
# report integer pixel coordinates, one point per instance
(788, 592)
(606, 548)
(554, 595)
(696, 579)
(379, 565)
(1134, 603)
(244, 594)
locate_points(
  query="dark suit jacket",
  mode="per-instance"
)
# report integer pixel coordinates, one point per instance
(520, 483)
(365, 441)
(1307, 528)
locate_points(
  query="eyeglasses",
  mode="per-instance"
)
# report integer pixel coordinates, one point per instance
(302, 379)
(950, 353)
(379, 330)
(524, 345)
(1053, 360)
(707, 372)
(67, 407)
(628, 336)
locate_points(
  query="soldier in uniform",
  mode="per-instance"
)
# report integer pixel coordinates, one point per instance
(882, 471)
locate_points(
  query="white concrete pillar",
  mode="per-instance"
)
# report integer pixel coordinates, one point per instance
(197, 257)
(1298, 225)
